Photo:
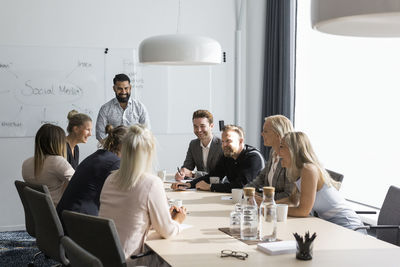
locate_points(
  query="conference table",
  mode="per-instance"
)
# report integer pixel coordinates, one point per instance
(202, 242)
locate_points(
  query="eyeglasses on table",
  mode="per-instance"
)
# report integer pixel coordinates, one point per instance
(236, 254)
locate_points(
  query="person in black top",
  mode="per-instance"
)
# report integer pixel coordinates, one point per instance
(240, 164)
(79, 129)
(83, 191)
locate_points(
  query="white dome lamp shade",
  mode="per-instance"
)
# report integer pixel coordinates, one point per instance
(180, 49)
(363, 18)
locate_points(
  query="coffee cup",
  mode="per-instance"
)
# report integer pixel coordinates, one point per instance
(162, 174)
(281, 212)
(178, 203)
(237, 195)
(214, 180)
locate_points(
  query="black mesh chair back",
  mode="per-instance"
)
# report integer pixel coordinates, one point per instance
(96, 235)
(77, 256)
(336, 176)
(390, 215)
(29, 222)
(48, 227)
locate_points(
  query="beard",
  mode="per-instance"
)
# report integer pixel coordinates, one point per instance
(122, 98)
(228, 152)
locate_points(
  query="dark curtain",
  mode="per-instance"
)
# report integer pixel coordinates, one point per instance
(279, 66)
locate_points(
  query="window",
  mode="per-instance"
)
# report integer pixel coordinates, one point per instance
(348, 103)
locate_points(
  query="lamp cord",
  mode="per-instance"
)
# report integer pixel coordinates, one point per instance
(178, 22)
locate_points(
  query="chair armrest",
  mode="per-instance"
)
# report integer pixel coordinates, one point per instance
(384, 226)
(137, 256)
(366, 227)
(366, 212)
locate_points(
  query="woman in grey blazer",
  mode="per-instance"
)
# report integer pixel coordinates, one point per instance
(275, 127)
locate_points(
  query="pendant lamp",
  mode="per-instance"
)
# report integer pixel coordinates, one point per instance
(364, 18)
(180, 49)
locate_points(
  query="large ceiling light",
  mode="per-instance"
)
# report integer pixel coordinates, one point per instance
(180, 49)
(364, 18)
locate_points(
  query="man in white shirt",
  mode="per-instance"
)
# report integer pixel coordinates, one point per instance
(121, 110)
(205, 151)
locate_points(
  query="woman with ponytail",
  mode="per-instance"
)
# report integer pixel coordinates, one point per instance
(83, 192)
(79, 129)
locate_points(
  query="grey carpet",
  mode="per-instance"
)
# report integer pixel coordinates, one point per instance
(17, 249)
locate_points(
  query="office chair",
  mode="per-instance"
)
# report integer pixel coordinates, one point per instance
(48, 227)
(336, 176)
(77, 256)
(96, 235)
(29, 222)
(388, 226)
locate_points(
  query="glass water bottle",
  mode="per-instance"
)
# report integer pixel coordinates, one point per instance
(268, 215)
(249, 222)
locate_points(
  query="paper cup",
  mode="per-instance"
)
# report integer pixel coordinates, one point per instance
(214, 180)
(237, 195)
(281, 212)
(178, 203)
(162, 174)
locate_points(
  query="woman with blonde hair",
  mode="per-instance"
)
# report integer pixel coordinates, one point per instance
(274, 128)
(83, 191)
(48, 166)
(316, 189)
(135, 198)
(79, 129)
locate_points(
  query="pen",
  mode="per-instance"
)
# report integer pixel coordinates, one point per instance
(179, 171)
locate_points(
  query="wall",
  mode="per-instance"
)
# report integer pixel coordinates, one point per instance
(123, 24)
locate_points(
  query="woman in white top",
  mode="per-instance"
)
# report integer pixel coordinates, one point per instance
(49, 165)
(135, 198)
(315, 189)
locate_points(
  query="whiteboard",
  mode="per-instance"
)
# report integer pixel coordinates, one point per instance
(42, 84)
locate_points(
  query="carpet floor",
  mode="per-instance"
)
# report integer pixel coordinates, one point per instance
(17, 249)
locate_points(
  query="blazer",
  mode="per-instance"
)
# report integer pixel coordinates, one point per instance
(194, 155)
(83, 191)
(283, 187)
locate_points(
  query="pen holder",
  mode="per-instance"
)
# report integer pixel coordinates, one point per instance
(304, 253)
(304, 246)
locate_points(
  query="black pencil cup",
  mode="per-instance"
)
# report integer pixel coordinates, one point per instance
(304, 252)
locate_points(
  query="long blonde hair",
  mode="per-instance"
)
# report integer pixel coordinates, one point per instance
(301, 152)
(49, 140)
(138, 150)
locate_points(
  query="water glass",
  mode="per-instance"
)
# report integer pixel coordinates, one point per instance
(234, 222)
(249, 223)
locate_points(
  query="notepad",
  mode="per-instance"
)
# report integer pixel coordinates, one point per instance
(277, 248)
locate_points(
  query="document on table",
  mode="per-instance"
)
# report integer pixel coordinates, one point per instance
(171, 181)
(277, 248)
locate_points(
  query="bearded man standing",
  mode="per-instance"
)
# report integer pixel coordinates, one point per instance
(121, 110)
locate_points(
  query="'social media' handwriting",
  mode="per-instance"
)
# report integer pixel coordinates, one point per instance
(5, 66)
(53, 90)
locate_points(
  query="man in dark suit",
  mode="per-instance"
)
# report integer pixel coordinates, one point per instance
(205, 151)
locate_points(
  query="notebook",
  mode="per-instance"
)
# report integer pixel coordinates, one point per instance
(277, 248)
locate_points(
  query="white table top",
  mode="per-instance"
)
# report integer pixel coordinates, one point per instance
(201, 244)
